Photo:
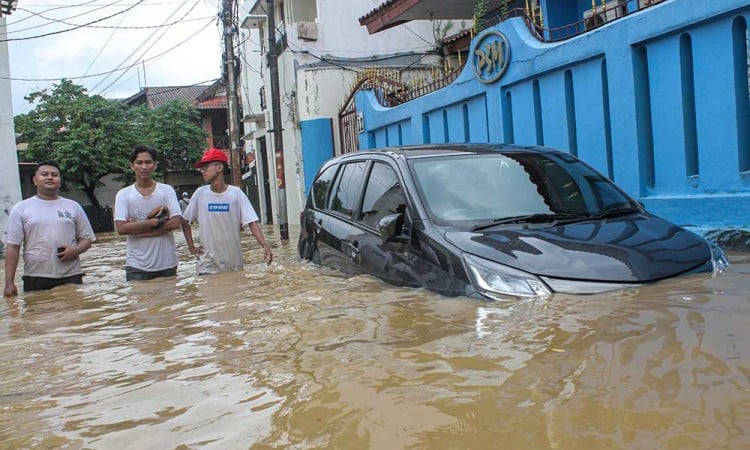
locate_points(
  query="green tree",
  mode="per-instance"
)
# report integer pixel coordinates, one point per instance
(88, 136)
(91, 137)
(173, 129)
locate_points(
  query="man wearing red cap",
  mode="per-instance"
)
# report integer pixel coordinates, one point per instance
(222, 211)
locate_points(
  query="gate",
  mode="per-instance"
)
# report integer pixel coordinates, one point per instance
(349, 126)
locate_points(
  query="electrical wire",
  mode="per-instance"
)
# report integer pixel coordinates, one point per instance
(74, 28)
(16, 22)
(113, 70)
(163, 31)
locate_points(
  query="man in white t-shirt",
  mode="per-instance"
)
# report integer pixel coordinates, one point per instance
(54, 231)
(147, 212)
(222, 211)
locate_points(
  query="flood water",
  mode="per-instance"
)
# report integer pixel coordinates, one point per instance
(298, 356)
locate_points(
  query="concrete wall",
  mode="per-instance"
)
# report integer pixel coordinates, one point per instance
(10, 183)
(312, 88)
(658, 101)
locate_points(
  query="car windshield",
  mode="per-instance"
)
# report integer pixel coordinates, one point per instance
(478, 190)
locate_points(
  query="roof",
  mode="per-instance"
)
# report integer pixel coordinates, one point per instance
(154, 97)
(395, 12)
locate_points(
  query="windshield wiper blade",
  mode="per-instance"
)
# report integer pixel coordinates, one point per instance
(613, 212)
(527, 218)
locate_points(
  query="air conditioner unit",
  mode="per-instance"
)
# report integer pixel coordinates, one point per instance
(307, 31)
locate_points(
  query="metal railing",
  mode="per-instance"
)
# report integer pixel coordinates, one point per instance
(602, 14)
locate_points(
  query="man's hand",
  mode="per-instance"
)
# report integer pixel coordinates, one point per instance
(161, 214)
(267, 255)
(10, 290)
(195, 251)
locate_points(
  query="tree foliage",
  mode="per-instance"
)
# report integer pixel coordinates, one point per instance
(174, 131)
(91, 137)
(88, 136)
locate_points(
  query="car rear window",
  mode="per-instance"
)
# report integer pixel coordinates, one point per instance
(321, 186)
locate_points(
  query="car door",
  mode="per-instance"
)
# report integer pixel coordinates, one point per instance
(334, 223)
(383, 196)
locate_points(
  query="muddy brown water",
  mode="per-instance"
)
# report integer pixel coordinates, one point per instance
(298, 356)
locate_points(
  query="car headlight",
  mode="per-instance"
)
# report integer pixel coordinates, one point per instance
(719, 260)
(501, 282)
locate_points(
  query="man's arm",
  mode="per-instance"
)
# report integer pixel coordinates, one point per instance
(258, 233)
(73, 251)
(12, 253)
(188, 232)
(135, 227)
(170, 225)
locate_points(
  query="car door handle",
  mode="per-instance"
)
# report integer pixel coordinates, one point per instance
(353, 248)
(318, 223)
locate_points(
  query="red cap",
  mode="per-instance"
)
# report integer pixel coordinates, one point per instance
(212, 155)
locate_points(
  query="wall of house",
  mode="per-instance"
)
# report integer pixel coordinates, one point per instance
(310, 91)
(658, 101)
(10, 183)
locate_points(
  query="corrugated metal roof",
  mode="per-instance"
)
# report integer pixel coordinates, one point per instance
(159, 96)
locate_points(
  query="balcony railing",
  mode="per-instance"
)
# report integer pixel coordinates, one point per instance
(602, 14)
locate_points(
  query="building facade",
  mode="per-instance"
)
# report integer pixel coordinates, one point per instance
(321, 50)
(10, 183)
(657, 100)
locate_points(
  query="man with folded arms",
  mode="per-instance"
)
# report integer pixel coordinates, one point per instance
(147, 212)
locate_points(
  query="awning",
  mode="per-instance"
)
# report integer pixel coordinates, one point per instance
(395, 12)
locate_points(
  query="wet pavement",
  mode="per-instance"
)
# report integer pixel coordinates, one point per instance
(298, 356)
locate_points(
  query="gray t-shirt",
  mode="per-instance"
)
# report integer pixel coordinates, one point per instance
(44, 225)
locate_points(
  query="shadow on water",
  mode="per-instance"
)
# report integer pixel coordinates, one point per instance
(295, 355)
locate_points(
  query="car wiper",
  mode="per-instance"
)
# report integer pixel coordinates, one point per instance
(527, 218)
(613, 212)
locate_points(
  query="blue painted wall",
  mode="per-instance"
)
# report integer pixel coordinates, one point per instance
(317, 146)
(658, 101)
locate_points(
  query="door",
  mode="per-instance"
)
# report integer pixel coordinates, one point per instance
(389, 260)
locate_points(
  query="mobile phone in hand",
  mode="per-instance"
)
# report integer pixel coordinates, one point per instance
(60, 250)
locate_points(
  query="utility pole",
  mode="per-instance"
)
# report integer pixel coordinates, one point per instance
(233, 110)
(278, 138)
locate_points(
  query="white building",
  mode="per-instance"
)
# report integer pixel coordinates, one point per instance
(10, 184)
(322, 48)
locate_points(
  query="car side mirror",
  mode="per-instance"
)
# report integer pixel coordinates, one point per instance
(390, 227)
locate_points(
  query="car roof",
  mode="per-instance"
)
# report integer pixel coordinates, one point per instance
(427, 150)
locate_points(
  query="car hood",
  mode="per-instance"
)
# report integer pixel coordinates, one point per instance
(636, 248)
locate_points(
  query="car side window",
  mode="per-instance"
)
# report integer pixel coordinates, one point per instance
(321, 186)
(345, 197)
(384, 195)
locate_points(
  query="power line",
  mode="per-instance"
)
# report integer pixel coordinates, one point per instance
(114, 70)
(54, 9)
(74, 28)
(124, 61)
(117, 27)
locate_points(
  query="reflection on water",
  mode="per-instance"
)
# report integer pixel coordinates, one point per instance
(294, 355)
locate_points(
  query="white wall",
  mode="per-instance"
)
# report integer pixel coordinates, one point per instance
(10, 183)
(307, 91)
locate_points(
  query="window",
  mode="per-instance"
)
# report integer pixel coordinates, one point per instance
(321, 186)
(383, 195)
(348, 189)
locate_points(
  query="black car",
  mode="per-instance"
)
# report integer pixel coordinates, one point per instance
(490, 221)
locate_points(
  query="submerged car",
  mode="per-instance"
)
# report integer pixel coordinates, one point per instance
(491, 222)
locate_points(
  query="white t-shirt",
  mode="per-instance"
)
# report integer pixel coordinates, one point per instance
(220, 218)
(155, 253)
(43, 226)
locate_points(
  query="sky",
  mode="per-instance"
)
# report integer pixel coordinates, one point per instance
(124, 45)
